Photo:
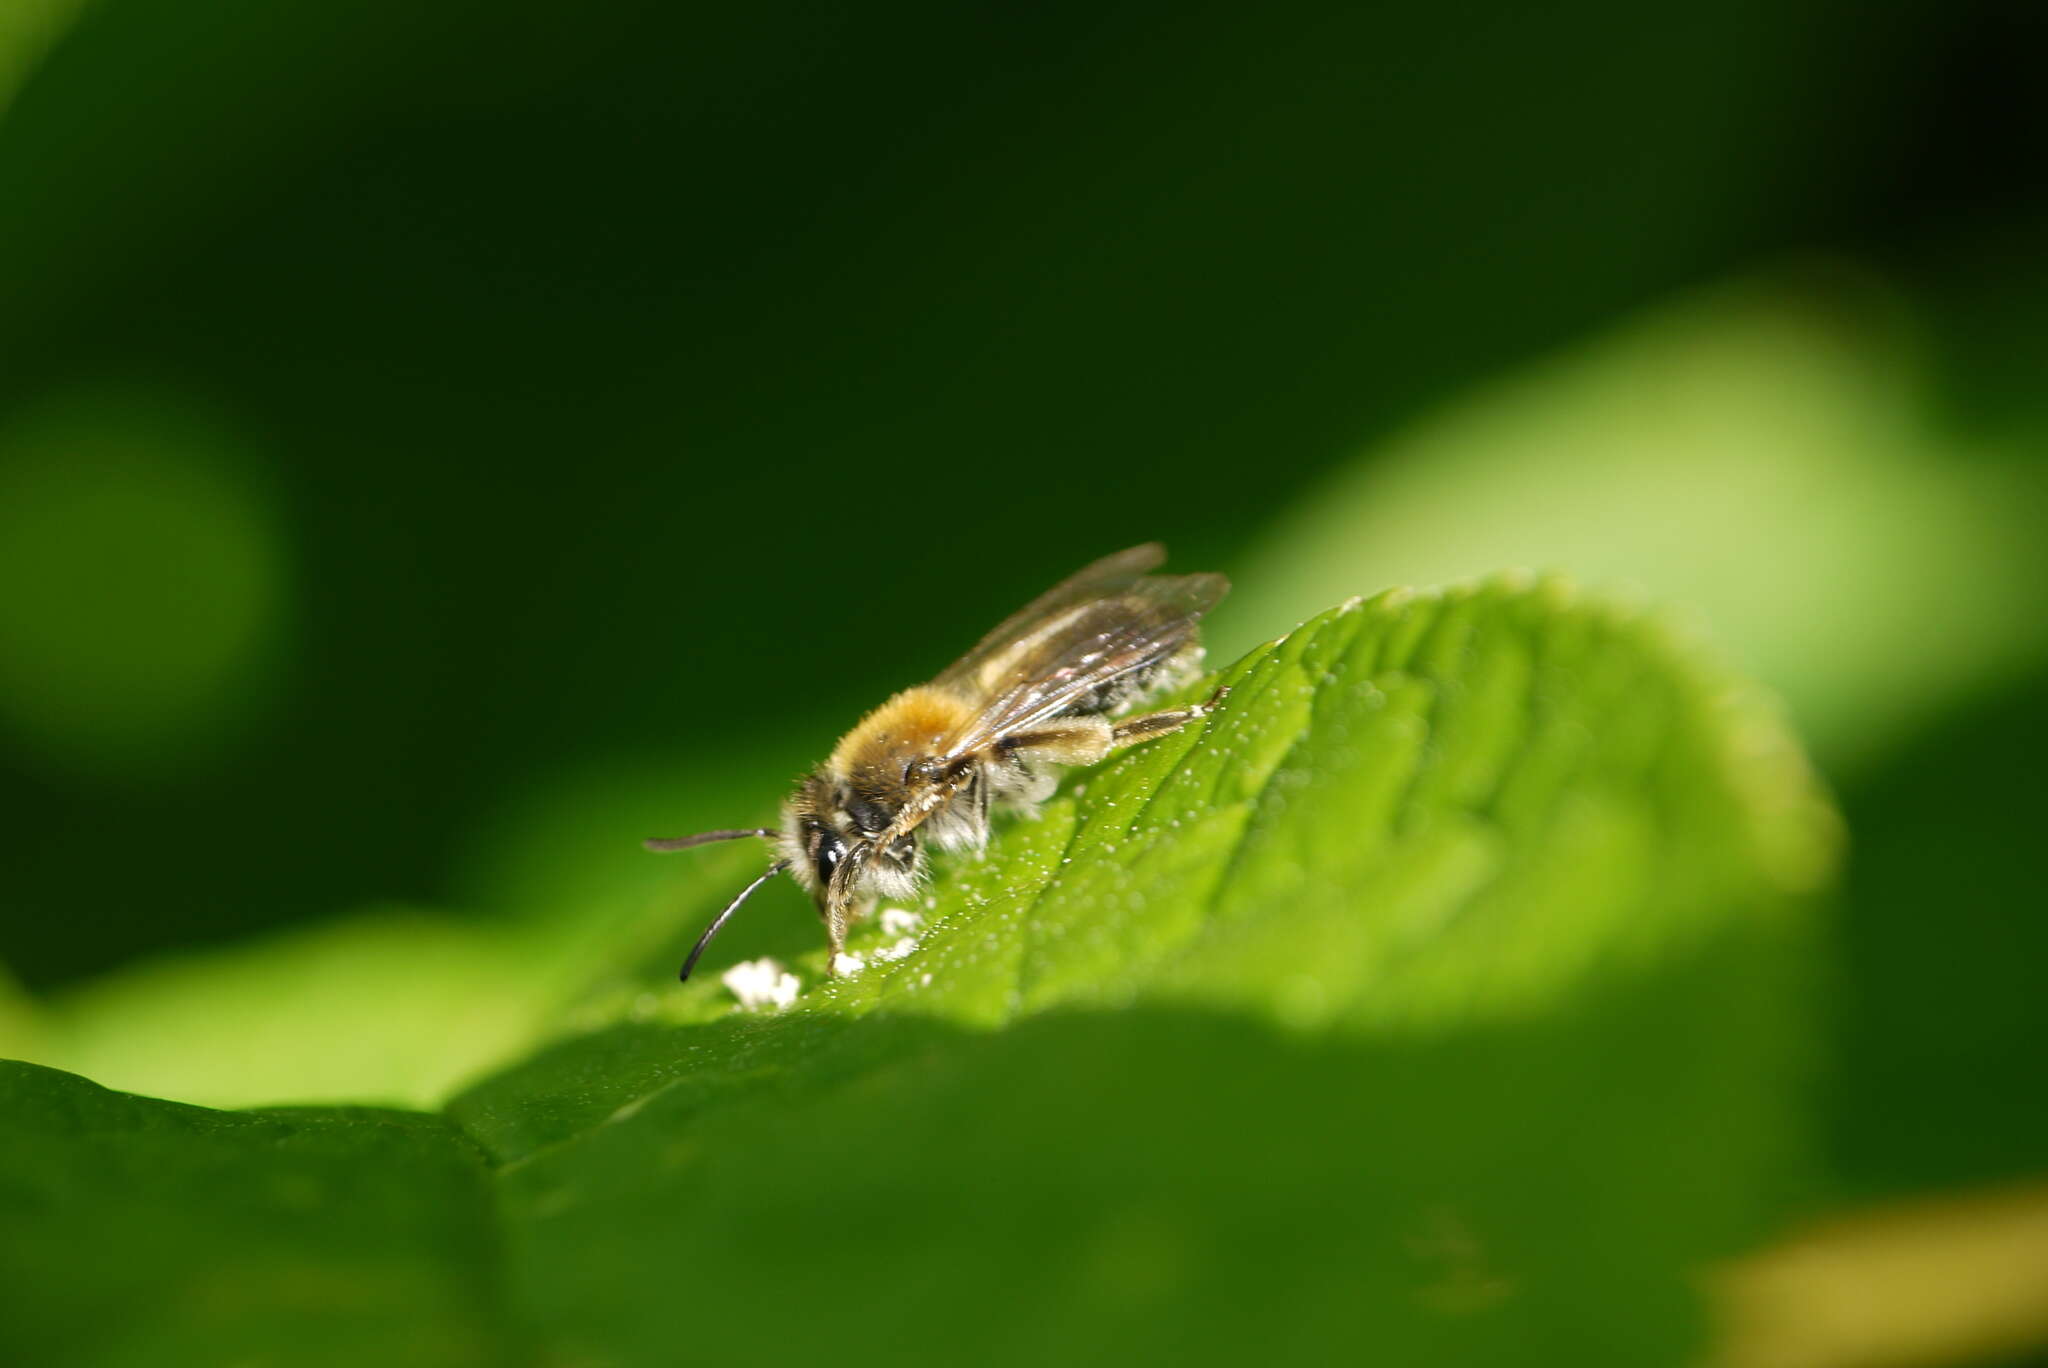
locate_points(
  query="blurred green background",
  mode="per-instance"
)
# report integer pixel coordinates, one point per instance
(442, 443)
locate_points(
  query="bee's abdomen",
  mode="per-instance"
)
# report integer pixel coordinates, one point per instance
(1135, 686)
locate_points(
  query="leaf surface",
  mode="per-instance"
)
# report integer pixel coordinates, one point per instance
(1446, 989)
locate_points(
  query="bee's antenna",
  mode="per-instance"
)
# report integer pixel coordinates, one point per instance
(666, 843)
(778, 867)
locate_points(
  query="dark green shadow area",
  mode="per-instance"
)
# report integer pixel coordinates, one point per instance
(140, 1232)
(1944, 1019)
(1161, 1185)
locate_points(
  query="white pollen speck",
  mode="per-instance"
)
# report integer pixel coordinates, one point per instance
(848, 965)
(761, 984)
(897, 921)
(897, 951)
(925, 982)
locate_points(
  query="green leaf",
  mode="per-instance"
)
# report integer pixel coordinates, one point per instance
(1444, 997)
(138, 1232)
(1443, 994)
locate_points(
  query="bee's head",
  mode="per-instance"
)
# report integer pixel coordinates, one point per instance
(829, 818)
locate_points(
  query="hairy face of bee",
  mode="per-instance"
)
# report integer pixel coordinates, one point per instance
(827, 820)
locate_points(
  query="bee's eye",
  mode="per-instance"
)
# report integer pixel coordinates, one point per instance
(827, 850)
(867, 814)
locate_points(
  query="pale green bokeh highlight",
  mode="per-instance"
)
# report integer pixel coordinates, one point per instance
(1764, 459)
(392, 1005)
(142, 581)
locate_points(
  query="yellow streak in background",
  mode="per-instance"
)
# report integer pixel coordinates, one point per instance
(1948, 1281)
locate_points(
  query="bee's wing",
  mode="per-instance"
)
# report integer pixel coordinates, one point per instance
(1085, 634)
(988, 662)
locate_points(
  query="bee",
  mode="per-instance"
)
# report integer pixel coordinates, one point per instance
(1040, 693)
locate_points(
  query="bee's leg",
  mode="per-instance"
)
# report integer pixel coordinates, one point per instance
(835, 943)
(837, 912)
(978, 794)
(1070, 741)
(835, 935)
(837, 925)
(1135, 730)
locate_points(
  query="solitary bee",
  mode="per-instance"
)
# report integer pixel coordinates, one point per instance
(928, 766)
